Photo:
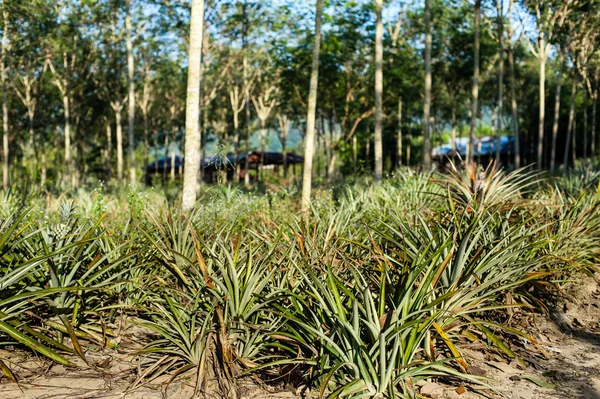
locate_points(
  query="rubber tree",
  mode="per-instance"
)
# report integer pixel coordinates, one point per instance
(192, 109)
(561, 61)
(379, 92)
(264, 104)
(500, 9)
(3, 73)
(475, 87)
(131, 93)
(309, 138)
(427, 101)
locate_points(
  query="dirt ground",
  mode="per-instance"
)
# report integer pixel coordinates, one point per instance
(569, 368)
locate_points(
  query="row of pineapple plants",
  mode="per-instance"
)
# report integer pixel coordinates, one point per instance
(370, 293)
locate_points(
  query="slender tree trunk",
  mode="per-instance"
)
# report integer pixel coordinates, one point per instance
(262, 150)
(247, 109)
(331, 166)
(475, 89)
(585, 124)
(119, 145)
(4, 102)
(368, 152)
(236, 144)
(379, 92)
(309, 143)
(515, 111)
(166, 145)
(146, 140)
(354, 155)
(571, 123)
(574, 139)
(399, 137)
(285, 160)
(192, 109)
(540, 145)
(30, 152)
(556, 113)
(408, 146)
(130, 76)
(594, 133)
(453, 133)
(427, 104)
(500, 77)
(173, 166)
(43, 177)
(108, 161)
(67, 130)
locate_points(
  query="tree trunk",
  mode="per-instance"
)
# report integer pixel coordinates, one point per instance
(108, 161)
(247, 109)
(594, 133)
(571, 123)
(399, 137)
(236, 143)
(192, 109)
(585, 124)
(500, 77)
(453, 133)
(166, 145)
(379, 92)
(574, 139)
(475, 89)
(427, 103)
(556, 113)
(119, 145)
(4, 103)
(173, 166)
(331, 166)
(43, 177)
(262, 150)
(515, 111)
(540, 146)
(354, 155)
(309, 143)
(146, 140)
(130, 76)
(67, 131)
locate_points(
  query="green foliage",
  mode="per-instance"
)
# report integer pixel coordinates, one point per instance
(374, 292)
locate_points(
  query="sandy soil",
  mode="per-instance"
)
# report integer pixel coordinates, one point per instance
(569, 368)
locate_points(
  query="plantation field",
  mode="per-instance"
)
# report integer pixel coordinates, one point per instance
(471, 284)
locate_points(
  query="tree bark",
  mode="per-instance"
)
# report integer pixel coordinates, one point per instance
(540, 145)
(513, 92)
(427, 103)
(379, 92)
(309, 143)
(119, 145)
(514, 108)
(4, 102)
(475, 88)
(556, 113)
(571, 123)
(130, 77)
(585, 124)
(594, 133)
(453, 132)
(354, 155)
(108, 161)
(192, 109)
(399, 138)
(247, 109)
(499, 4)
(174, 140)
